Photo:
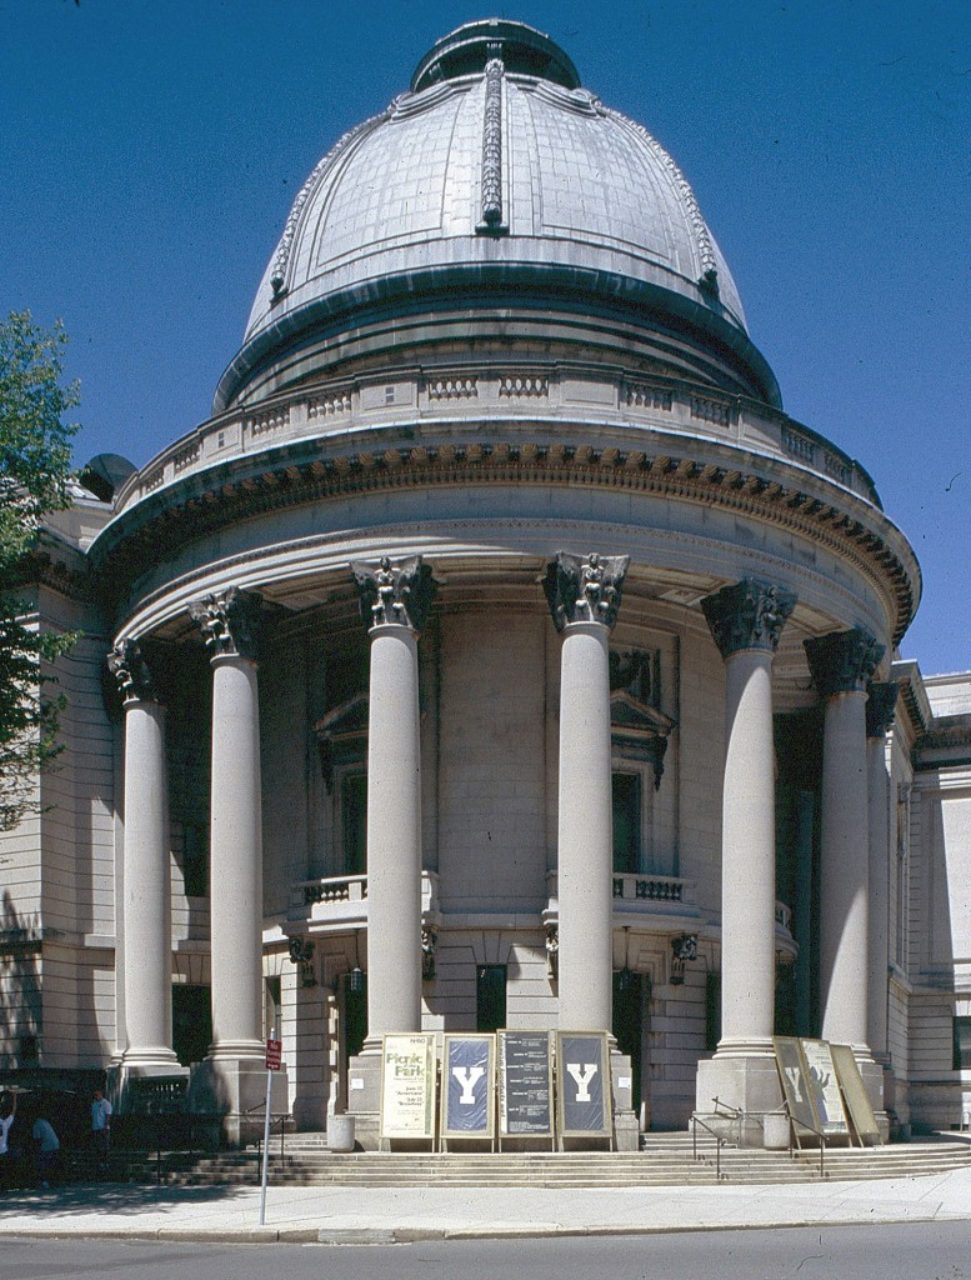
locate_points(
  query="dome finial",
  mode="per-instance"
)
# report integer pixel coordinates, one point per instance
(467, 50)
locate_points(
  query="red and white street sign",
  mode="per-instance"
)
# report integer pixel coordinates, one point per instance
(274, 1055)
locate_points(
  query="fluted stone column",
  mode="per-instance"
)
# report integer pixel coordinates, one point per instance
(147, 894)
(842, 664)
(584, 595)
(395, 601)
(746, 620)
(880, 707)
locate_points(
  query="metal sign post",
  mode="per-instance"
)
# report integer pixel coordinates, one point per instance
(274, 1060)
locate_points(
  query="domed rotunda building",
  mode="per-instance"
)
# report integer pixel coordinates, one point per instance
(499, 654)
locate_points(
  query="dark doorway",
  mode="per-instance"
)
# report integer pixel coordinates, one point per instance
(191, 1022)
(490, 997)
(628, 1025)
(355, 1012)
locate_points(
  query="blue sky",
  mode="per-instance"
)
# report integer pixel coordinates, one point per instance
(149, 153)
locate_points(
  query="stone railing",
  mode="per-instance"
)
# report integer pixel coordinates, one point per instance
(608, 398)
(342, 900)
(644, 894)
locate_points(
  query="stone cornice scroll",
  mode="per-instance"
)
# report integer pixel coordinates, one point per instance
(129, 666)
(881, 706)
(584, 589)
(843, 661)
(390, 593)
(230, 621)
(749, 614)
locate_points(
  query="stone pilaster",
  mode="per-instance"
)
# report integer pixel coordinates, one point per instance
(842, 664)
(746, 621)
(147, 974)
(230, 621)
(584, 595)
(880, 708)
(395, 601)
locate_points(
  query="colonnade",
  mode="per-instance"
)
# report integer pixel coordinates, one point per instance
(584, 593)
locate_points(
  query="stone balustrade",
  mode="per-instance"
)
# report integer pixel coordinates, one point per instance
(331, 903)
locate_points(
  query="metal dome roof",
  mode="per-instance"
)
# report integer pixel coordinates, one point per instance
(495, 161)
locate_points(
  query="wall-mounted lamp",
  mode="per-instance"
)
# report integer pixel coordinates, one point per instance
(429, 941)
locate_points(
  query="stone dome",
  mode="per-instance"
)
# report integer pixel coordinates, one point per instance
(496, 175)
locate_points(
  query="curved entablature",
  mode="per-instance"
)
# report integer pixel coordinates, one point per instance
(516, 454)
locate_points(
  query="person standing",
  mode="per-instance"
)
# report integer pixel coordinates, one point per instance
(100, 1130)
(48, 1150)
(8, 1110)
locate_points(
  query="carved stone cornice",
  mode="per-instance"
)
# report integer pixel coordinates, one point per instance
(129, 666)
(584, 589)
(230, 621)
(843, 661)
(881, 705)
(391, 593)
(749, 614)
(209, 501)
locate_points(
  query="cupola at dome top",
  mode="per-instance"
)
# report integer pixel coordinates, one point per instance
(500, 189)
(522, 49)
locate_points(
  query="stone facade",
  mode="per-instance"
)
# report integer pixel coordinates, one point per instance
(614, 748)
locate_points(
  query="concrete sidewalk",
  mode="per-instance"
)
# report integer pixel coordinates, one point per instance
(383, 1215)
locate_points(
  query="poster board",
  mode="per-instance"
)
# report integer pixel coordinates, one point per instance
(408, 1085)
(793, 1074)
(468, 1086)
(854, 1094)
(825, 1089)
(583, 1084)
(525, 1084)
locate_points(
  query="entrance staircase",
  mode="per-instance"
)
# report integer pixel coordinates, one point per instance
(665, 1160)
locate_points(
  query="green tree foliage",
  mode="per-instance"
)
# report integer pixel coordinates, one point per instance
(35, 459)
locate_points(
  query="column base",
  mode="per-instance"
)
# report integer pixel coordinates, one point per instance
(364, 1097)
(748, 1084)
(627, 1133)
(233, 1092)
(873, 1074)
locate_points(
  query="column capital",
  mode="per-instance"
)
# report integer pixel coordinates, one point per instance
(843, 661)
(880, 707)
(390, 593)
(749, 614)
(136, 679)
(230, 621)
(584, 588)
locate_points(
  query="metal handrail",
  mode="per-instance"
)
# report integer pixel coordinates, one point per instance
(282, 1116)
(819, 1134)
(737, 1112)
(719, 1143)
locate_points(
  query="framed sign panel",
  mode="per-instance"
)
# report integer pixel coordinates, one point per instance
(795, 1083)
(583, 1084)
(824, 1087)
(855, 1094)
(408, 1085)
(525, 1084)
(468, 1086)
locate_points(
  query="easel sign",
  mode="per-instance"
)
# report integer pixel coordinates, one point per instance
(525, 1085)
(855, 1095)
(408, 1085)
(468, 1087)
(583, 1084)
(824, 1084)
(795, 1085)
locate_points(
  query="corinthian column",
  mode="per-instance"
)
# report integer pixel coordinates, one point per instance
(395, 601)
(230, 621)
(584, 596)
(880, 707)
(147, 892)
(842, 664)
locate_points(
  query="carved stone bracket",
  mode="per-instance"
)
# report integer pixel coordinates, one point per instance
(683, 948)
(749, 614)
(584, 589)
(128, 664)
(880, 707)
(429, 944)
(395, 593)
(230, 621)
(843, 661)
(552, 952)
(302, 954)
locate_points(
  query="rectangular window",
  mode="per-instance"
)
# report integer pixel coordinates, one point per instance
(195, 860)
(961, 1057)
(273, 1006)
(490, 997)
(626, 790)
(713, 1010)
(354, 823)
(191, 1022)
